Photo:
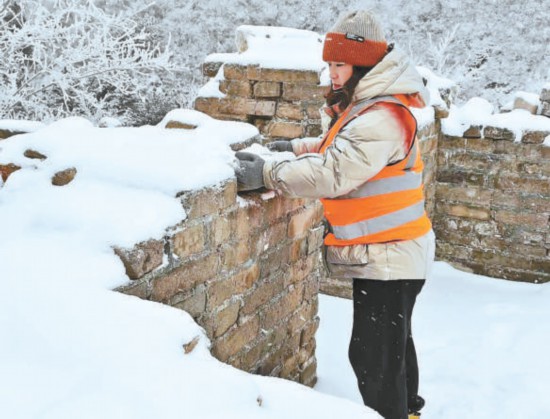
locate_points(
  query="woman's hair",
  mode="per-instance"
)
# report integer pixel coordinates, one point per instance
(342, 97)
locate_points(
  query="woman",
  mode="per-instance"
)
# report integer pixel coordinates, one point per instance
(367, 171)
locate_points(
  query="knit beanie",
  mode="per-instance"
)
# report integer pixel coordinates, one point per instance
(356, 38)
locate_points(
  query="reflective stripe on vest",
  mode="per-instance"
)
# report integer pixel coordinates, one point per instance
(387, 207)
(381, 223)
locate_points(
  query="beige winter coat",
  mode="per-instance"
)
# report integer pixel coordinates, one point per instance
(359, 151)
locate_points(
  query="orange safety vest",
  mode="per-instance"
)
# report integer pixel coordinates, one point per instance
(388, 207)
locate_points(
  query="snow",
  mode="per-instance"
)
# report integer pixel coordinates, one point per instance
(478, 111)
(481, 344)
(531, 98)
(275, 47)
(15, 125)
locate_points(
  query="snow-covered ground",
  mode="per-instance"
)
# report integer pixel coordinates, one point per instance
(482, 345)
(70, 347)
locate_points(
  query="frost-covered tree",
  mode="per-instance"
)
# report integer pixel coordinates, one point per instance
(68, 57)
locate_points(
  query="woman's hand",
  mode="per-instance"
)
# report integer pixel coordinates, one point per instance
(249, 174)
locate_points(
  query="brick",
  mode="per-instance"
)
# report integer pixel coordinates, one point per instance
(220, 321)
(308, 376)
(315, 239)
(450, 143)
(482, 145)
(195, 303)
(279, 75)
(210, 68)
(279, 309)
(526, 185)
(291, 111)
(263, 293)
(308, 333)
(189, 241)
(184, 278)
(278, 129)
(313, 109)
(236, 88)
(545, 95)
(142, 258)
(497, 133)
(474, 131)
(207, 105)
(534, 221)
(235, 72)
(64, 177)
(463, 194)
(545, 111)
(520, 103)
(337, 287)
(208, 201)
(235, 254)
(7, 169)
(298, 249)
(267, 89)
(299, 91)
(469, 212)
(235, 340)
(33, 154)
(138, 289)
(534, 137)
(461, 177)
(222, 229)
(238, 283)
(301, 222)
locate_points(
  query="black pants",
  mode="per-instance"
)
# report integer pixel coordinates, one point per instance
(381, 350)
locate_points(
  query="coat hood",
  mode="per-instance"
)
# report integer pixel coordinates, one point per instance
(395, 74)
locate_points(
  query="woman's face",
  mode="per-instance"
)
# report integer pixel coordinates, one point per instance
(339, 74)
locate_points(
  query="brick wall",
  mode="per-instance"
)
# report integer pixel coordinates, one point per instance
(493, 203)
(283, 104)
(247, 269)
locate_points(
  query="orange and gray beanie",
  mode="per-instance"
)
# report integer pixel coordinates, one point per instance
(356, 38)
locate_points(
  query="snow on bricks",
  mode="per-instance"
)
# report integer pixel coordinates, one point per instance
(247, 268)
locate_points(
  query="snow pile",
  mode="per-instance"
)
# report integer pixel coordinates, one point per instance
(71, 347)
(275, 47)
(15, 125)
(478, 111)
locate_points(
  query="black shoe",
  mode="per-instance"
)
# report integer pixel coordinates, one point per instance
(415, 403)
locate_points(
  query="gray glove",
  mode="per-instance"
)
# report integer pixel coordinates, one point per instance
(280, 146)
(250, 173)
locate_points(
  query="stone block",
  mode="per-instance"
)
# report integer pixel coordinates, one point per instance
(523, 184)
(291, 111)
(337, 287)
(207, 105)
(33, 154)
(473, 132)
(464, 194)
(301, 91)
(236, 284)
(189, 241)
(263, 293)
(235, 340)
(234, 254)
(210, 69)
(142, 258)
(280, 75)
(7, 169)
(278, 129)
(545, 110)
(315, 239)
(236, 88)
(534, 137)
(138, 289)
(313, 109)
(531, 221)
(464, 211)
(281, 308)
(222, 228)
(267, 89)
(498, 133)
(521, 103)
(235, 72)
(308, 333)
(301, 222)
(64, 177)
(308, 376)
(208, 201)
(184, 278)
(220, 321)
(194, 303)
